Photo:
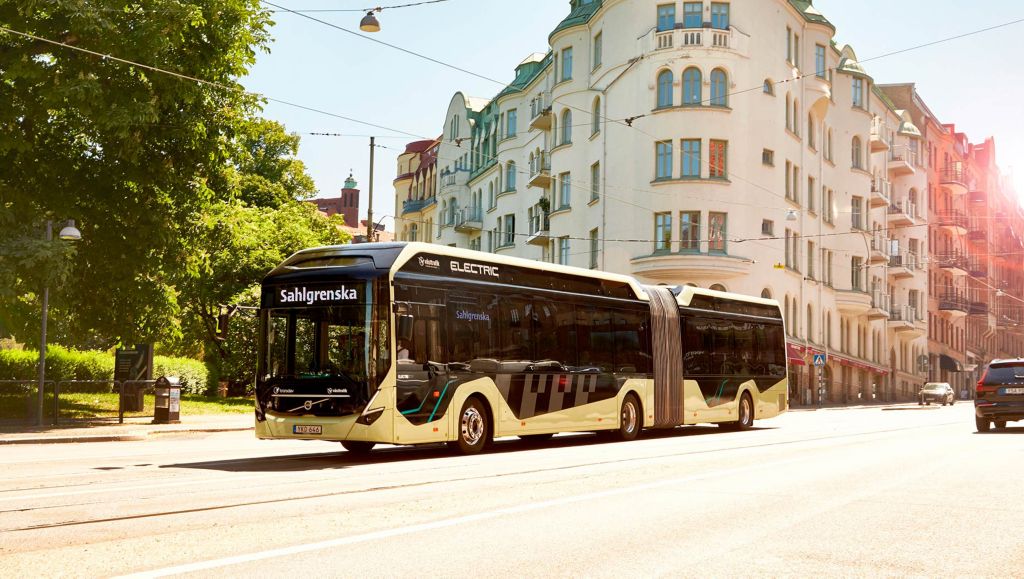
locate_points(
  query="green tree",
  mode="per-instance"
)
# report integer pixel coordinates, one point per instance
(135, 156)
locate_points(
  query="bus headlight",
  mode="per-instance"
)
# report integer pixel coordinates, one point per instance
(370, 416)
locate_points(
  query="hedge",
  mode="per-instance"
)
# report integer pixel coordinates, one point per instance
(63, 364)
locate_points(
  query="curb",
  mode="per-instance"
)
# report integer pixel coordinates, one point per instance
(133, 437)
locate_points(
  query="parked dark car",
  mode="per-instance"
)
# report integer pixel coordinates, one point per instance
(1000, 394)
(936, 392)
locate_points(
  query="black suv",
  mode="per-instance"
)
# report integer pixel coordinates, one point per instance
(1000, 394)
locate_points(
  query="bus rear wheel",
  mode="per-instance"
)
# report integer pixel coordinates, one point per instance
(745, 415)
(474, 428)
(358, 447)
(630, 419)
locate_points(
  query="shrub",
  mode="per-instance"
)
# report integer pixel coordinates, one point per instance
(191, 373)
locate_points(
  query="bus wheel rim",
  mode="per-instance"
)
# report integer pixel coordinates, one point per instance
(744, 410)
(629, 416)
(472, 426)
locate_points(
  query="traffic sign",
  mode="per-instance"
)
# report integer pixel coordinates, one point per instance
(819, 360)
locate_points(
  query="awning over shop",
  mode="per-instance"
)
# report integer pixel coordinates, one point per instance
(795, 354)
(798, 355)
(950, 364)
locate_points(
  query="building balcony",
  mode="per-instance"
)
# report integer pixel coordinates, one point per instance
(879, 143)
(955, 222)
(417, 205)
(903, 266)
(469, 220)
(955, 179)
(706, 38)
(880, 306)
(853, 302)
(879, 249)
(955, 263)
(690, 267)
(977, 308)
(900, 164)
(954, 306)
(905, 322)
(880, 193)
(978, 197)
(977, 235)
(540, 230)
(540, 171)
(902, 214)
(540, 112)
(978, 269)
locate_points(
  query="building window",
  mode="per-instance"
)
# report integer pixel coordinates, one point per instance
(716, 232)
(767, 227)
(691, 86)
(811, 141)
(595, 117)
(720, 15)
(719, 95)
(510, 176)
(789, 186)
(511, 128)
(789, 44)
(689, 231)
(666, 17)
(693, 14)
(663, 160)
(858, 92)
(510, 230)
(811, 190)
(769, 87)
(565, 190)
(768, 157)
(563, 250)
(717, 160)
(691, 159)
(856, 273)
(567, 63)
(856, 154)
(595, 181)
(857, 212)
(810, 259)
(662, 232)
(665, 79)
(598, 47)
(566, 127)
(819, 60)
(593, 248)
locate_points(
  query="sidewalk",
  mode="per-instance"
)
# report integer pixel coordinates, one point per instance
(132, 429)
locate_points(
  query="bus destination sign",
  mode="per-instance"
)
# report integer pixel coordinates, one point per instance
(316, 295)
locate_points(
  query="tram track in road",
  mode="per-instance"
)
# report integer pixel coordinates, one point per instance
(384, 488)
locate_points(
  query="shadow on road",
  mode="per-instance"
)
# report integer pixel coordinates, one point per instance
(344, 459)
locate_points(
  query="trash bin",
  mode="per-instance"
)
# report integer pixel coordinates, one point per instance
(133, 397)
(167, 407)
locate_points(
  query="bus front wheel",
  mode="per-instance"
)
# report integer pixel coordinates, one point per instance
(359, 447)
(473, 428)
(630, 419)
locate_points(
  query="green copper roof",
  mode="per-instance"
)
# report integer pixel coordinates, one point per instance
(581, 13)
(810, 13)
(850, 66)
(526, 72)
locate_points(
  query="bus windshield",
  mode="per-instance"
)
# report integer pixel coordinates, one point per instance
(328, 342)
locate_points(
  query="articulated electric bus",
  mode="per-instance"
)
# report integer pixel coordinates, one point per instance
(413, 343)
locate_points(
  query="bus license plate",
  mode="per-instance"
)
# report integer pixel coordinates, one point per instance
(307, 429)
(1014, 390)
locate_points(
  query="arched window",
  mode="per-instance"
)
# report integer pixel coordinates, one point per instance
(566, 127)
(719, 98)
(414, 233)
(510, 176)
(595, 117)
(692, 86)
(665, 80)
(769, 87)
(766, 294)
(490, 193)
(718, 288)
(856, 154)
(796, 116)
(810, 132)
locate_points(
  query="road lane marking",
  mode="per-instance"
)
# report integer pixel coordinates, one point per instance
(443, 524)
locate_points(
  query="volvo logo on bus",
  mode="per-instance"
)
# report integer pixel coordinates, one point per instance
(310, 297)
(474, 268)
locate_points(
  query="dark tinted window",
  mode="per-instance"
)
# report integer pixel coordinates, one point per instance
(1007, 373)
(631, 337)
(723, 346)
(515, 329)
(555, 331)
(596, 342)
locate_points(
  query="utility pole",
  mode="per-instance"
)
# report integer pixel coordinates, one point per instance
(370, 229)
(42, 342)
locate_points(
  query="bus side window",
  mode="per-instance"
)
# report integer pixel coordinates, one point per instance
(697, 340)
(555, 331)
(596, 341)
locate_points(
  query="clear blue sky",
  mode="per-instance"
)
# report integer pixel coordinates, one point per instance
(975, 82)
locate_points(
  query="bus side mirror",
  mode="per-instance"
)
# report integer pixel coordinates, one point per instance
(405, 327)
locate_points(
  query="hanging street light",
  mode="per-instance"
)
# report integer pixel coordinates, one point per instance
(369, 22)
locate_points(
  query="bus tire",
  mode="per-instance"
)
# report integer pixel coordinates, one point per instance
(630, 419)
(473, 428)
(744, 415)
(358, 447)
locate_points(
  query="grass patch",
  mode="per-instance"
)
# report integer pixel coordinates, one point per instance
(78, 405)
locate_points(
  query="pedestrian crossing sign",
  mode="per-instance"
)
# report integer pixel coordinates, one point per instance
(819, 359)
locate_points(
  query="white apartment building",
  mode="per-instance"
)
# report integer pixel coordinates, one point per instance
(729, 145)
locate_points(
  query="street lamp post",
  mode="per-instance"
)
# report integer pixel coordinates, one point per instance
(68, 233)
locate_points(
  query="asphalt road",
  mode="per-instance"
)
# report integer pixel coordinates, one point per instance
(869, 491)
